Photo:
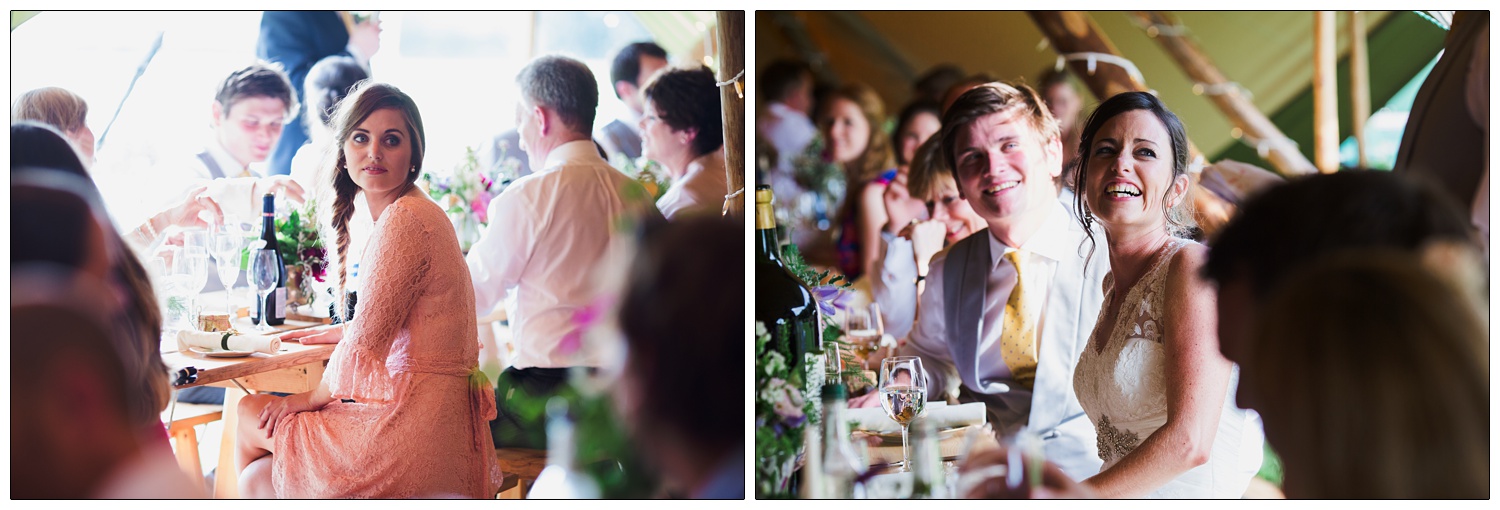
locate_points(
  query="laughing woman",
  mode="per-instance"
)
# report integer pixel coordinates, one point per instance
(1151, 378)
(402, 410)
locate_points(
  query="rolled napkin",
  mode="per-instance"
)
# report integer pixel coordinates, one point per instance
(227, 341)
(943, 416)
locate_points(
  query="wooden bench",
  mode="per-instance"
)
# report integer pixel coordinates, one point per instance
(520, 466)
(184, 418)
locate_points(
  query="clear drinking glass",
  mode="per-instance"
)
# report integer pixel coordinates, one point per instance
(903, 395)
(833, 359)
(225, 245)
(262, 275)
(191, 269)
(861, 332)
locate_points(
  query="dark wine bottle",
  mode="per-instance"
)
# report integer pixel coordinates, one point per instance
(275, 301)
(783, 302)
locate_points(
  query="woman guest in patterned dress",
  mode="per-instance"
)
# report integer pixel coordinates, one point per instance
(1151, 378)
(402, 410)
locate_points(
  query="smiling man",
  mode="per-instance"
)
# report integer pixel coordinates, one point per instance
(250, 109)
(1008, 310)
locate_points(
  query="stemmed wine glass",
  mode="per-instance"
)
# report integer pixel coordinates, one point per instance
(903, 395)
(263, 273)
(190, 269)
(225, 245)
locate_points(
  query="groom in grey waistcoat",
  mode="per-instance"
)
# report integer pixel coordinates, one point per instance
(1008, 310)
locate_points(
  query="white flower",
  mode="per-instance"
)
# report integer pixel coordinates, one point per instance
(760, 328)
(775, 363)
(785, 399)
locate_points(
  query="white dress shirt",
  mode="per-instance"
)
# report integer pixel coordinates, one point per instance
(788, 130)
(539, 255)
(702, 187)
(894, 286)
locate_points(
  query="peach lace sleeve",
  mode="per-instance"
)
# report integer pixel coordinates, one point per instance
(396, 260)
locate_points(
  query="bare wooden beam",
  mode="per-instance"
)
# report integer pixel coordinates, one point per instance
(796, 33)
(1242, 113)
(732, 62)
(874, 40)
(1325, 92)
(1359, 83)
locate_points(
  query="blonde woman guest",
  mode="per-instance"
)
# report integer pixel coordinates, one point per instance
(682, 129)
(402, 410)
(850, 120)
(1151, 377)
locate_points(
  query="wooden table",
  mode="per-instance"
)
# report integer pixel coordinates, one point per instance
(297, 368)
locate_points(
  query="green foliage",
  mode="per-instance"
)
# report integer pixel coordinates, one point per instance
(780, 415)
(602, 448)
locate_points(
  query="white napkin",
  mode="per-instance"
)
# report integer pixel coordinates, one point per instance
(942, 416)
(215, 341)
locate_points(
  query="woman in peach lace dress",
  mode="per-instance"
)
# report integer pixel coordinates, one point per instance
(402, 411)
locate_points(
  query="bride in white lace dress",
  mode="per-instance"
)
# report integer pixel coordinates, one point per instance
(1152, 379)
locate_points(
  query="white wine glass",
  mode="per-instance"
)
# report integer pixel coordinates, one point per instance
(263, 274)
(191, 267)
(859, 328)
(225, 245)
(903, 395)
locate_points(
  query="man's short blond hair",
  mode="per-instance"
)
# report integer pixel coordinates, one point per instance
(995, 97)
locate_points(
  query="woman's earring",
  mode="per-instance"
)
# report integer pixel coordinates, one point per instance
(413, 169)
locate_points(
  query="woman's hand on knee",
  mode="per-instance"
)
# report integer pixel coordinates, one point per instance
(280, 407)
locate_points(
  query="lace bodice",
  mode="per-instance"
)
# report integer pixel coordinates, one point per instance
(1121, 383)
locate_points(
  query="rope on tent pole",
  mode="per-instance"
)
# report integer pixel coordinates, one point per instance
(1155, 29)
(1262, 145)
(1219, 89)
(729, 197)
(1093, 58)
(739, 90)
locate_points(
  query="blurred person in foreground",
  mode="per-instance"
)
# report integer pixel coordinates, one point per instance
(39, 137)
(1292, 225)
(72, 434)
(682, 128)
(58, 219)
(1371, 376)
(673, 391)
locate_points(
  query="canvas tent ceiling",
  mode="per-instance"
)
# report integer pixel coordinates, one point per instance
(1269, 53)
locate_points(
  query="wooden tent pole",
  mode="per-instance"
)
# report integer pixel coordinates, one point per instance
(731, 59)
(1325, 92)
(1279, 150)
(1359, 83)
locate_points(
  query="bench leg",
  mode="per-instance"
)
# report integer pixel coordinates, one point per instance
(227, 478)
(186, 443)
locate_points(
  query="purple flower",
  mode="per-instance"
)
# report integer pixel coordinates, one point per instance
(830, 299)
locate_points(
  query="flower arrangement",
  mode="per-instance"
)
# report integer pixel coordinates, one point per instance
(647, 172)
(466, 193)
(301, 247)
(780, 417)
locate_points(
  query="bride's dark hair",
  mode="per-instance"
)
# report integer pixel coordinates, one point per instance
(1179, 219)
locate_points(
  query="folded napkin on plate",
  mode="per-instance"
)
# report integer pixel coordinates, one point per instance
(943, 416)
(216, 341)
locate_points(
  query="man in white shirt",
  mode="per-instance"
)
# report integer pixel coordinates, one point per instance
(1016, 354)
(633, 66)
(785, 123)
(551, 230)
(250, 109)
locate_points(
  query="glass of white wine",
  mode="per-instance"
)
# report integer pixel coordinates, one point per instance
(861, 331)
(903, 395)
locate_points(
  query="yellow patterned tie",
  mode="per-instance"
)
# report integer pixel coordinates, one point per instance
(1018, 339)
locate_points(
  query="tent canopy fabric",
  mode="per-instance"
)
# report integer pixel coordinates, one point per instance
(1267, 53)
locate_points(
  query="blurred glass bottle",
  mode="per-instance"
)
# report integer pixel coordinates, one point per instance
(834, 470)
(563, 478)
(929, 481)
